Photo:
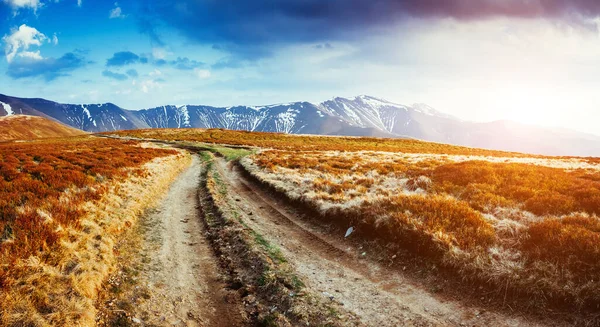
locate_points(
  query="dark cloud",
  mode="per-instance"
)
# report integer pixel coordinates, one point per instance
(236, 26)
(324, 46)
(230, 62)
(113, 75)
(182, 63)
(124, 58)
(148, 22)
(186, 63)
(48, 68)
(132, 73)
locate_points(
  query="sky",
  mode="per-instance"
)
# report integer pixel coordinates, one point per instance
(532, 61)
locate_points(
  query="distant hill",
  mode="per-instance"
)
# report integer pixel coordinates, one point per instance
(359, 116)
(23, 127)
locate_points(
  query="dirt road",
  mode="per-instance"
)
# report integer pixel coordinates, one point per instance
(337, 270)
(179, 280)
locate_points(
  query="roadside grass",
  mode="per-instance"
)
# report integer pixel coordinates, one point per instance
(232, 154)
(278, 289)
(530, 227)
(63, 203)
(272, 251)
(229, 153)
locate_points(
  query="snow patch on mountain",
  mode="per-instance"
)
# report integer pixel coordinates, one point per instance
(186, 115)
(424, 109)
(376, 103)
(286, 120)
(87, 112)
(7, 108)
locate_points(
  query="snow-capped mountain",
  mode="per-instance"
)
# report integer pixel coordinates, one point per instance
(290, 118)
(86, 117)
(358, 116)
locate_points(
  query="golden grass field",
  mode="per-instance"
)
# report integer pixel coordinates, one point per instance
(526, 224)
(304, 142)
(522, 223)
(21, 127)
(63, 204)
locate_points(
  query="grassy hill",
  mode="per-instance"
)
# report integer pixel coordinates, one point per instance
(22, 127)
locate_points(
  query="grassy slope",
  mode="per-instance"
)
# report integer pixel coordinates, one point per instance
(21, 127)
(56, 241)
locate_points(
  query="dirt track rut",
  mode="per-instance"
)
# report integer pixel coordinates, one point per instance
(337, 270)
(180, 281)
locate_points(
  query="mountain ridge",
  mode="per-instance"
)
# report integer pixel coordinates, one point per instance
(362, 115)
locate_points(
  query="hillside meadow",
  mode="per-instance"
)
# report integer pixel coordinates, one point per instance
(524, 224)
(528, 226)
(22, 127)
(304, 142)
(63, 203)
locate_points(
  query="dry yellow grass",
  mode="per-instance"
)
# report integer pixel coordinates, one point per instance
(530, 224)
(22, 127)
(306, 142)
(59, 288)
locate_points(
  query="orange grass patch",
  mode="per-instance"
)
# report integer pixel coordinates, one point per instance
(529, 226)
(572, 242)
(44, 184)
(304, 142)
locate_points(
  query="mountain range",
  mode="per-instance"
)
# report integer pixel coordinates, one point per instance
(359, 116)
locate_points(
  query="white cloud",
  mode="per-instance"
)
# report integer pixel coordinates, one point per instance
(93, 96)
(21, 38)
(35, 55)
(202, 73)
(18, 4)
(79, 2)
(124, 92)
(54, 39)
(160, 53)
(116, 12)
(150, 84)
(156, 72)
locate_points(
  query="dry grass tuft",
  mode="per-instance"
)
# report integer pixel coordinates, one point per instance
(572, 242)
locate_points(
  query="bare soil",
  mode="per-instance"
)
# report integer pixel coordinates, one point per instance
(169, 275)
(342, 271)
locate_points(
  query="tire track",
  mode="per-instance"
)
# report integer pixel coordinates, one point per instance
(336, 269)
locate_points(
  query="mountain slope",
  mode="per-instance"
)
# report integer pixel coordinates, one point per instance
(359, 116)
(90, 118)
(22, 127)
(292, 118)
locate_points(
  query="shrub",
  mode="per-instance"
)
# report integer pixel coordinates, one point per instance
(572, 242)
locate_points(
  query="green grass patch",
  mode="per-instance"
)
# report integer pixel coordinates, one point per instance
(205, 156)
(232, 153)
(272, 251)
(222, 187)
(297, 283)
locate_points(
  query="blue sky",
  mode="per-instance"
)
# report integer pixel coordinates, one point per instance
(531, 61)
